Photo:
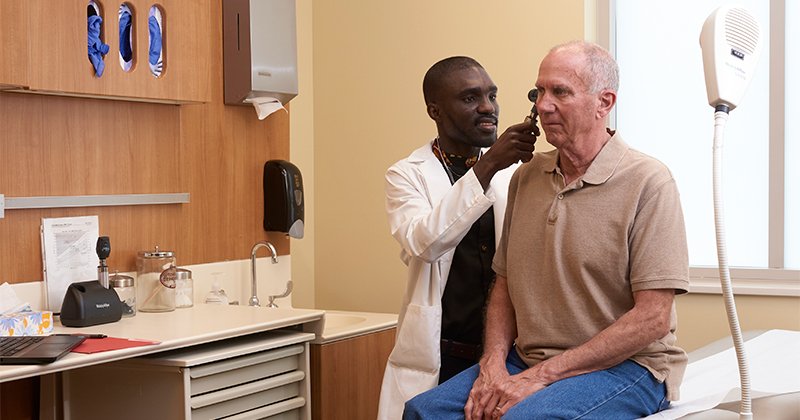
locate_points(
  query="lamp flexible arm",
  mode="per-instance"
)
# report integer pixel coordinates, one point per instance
(720, 118)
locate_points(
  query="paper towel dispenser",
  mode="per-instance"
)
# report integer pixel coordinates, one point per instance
(259, 50)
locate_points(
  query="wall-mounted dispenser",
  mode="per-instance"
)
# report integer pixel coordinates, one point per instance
(284, 204)
(259, 50)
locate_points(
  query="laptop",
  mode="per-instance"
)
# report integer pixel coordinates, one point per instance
(36, 349)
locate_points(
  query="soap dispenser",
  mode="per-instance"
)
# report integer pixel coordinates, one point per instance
(216, 296)
(284, 204)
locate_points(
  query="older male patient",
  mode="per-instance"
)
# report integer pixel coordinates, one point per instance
(581, 319)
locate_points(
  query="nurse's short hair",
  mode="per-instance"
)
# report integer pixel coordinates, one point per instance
(440, 71)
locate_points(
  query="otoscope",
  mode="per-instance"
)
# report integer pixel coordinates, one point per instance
(103, 251)
(533, 94)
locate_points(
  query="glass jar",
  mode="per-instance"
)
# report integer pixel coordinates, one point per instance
(184, 288)
(126, 291)
(155, 278)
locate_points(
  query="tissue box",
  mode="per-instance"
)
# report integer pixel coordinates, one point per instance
(26, 323)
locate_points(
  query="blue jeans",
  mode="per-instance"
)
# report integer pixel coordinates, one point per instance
(625, 391)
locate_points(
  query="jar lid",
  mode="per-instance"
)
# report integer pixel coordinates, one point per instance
(156, 254)
(119, 280)
(183, 274)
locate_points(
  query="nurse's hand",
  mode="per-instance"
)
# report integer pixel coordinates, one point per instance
(514, 145)
(487, 389)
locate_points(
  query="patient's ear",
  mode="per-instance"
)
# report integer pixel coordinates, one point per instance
(606, 100)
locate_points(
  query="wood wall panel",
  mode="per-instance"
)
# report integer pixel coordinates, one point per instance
(72, 146)
(52, 146)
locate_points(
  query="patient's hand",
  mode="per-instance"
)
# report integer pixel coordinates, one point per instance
(495, 391)
(487, 388)
(518, 387)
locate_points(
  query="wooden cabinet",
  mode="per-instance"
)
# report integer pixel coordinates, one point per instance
(52, 35)
(346, 376)
(14, 65)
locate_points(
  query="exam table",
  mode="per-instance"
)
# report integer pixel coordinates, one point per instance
(710, 388)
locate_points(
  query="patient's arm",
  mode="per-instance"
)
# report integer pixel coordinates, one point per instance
(648, 321)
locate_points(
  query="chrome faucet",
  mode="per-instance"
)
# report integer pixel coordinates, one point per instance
(254, 298)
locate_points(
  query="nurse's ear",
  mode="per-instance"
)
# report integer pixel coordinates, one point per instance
(434, 112)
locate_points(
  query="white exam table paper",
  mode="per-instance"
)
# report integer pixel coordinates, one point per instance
(773, 360)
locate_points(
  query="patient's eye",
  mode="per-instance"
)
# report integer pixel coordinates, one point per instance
(562, 91)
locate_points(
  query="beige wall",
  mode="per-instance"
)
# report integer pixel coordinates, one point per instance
(702, 318)
(301, 150)
(369, 59)
(361, 109)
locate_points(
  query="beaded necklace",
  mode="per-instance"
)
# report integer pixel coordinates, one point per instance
(440, 154)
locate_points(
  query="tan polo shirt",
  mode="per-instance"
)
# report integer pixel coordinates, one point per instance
(574, 255)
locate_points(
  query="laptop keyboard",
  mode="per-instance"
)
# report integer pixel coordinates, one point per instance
(11, 345)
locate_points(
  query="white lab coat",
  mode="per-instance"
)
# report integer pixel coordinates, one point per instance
(428, 217)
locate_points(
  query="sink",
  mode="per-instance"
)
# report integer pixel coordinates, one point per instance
(340, 325)
(337, 320)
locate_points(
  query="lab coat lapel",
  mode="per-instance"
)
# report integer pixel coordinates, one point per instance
(438, 183)
(433, 175)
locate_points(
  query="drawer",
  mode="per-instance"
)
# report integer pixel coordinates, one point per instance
(284, 410)
(245, 397)
(243, 369)
(263, 376)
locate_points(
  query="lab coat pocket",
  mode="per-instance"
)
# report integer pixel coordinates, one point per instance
(417, 345)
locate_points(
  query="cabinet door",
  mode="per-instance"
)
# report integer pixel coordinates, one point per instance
(60, 63)
(14, 65)
(346, 376)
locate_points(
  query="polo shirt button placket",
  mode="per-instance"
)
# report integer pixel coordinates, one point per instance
(553, 216)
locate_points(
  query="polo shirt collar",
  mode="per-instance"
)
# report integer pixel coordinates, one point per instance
(606, 162)
(603, 165)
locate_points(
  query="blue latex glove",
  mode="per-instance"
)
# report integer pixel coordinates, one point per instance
(155, 40)
(125, 36)
(96, 47)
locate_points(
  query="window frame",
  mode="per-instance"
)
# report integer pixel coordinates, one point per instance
(775, 280)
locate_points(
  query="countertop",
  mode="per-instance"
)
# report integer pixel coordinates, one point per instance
(180, 328)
